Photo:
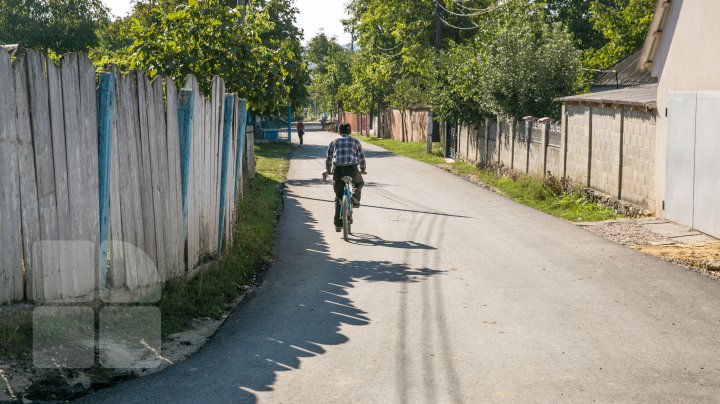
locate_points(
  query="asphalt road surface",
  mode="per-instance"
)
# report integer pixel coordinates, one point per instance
(448, 292)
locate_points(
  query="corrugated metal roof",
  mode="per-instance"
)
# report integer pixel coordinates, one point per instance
(628, 73)
(640, 96)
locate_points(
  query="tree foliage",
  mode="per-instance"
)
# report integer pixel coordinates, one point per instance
(623, 24)
(259, 58)
(329, 70)
(59, 26)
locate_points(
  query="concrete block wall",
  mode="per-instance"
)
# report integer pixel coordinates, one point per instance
(492, 142)
(520, 160)
(605, 150)
(608, 148)
(505, 130)
(537, 154)
(638, 169)
(554, 161)
(577, 152)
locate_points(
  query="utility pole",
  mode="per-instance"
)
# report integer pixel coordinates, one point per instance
(438, 27)
(438, 46)
(241, 5)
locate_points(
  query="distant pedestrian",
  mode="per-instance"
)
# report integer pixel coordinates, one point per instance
(323, 119)
(301, 130)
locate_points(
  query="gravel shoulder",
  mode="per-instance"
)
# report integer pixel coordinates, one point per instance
(663, 239)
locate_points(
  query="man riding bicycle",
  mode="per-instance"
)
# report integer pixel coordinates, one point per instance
(346, 156)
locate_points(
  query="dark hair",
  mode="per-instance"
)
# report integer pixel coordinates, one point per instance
(345, 129)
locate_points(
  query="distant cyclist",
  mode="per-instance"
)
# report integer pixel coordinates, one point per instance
(345, 155)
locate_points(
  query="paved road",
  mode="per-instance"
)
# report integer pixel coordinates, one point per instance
(449, 293)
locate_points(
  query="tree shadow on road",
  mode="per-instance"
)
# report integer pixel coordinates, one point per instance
(297, 313)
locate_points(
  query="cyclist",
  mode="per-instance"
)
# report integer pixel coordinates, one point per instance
(345, 155)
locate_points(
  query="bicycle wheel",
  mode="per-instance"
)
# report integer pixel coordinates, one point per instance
(345, 211)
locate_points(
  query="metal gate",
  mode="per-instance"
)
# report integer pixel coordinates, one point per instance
(692, 171)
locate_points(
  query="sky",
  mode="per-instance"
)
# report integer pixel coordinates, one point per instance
(315, 15)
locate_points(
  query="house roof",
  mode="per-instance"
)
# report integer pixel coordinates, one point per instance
(652, 40)
(628, 73)
(640, 96)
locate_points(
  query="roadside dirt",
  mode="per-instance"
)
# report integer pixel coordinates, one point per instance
(702, 256)
(21, 381)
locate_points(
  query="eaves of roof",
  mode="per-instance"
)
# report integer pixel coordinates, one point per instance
(652, 40)
(641, 96)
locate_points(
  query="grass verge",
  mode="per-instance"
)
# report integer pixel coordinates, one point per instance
(413, 150)
(550, 195)
(213, 290)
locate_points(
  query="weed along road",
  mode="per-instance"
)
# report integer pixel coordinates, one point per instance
(448, 292)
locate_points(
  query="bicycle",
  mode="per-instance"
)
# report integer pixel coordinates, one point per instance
(346, 205)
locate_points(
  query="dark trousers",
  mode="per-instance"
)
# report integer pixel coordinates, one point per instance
(339, 186)
(300, 135)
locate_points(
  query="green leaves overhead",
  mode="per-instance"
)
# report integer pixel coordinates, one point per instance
(260, 58)
(330, 71)
(623, 24)
(470, 59)
(52, 25)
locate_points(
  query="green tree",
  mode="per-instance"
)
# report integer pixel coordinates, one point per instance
(260, 58)
(623, 24)
(515, 67)
(330, 71)
(530, 63)
(407, 92)
(57, 25)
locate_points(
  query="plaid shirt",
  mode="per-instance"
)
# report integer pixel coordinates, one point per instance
(345, 151)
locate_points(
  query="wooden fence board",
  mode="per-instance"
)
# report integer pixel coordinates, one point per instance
(224, 164)
(58, 282)
(164, 168)
(186, 108)
(250, 148)
(90, 208)
(116, 273)
(156, 171)
(130, 166)
(146, 185)
(240, 152)
(193, 220)
(11, 280)
(205, 223)
(106, 108)
(30, 216)
(71, 108)
(48, 264)
(175, 187)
